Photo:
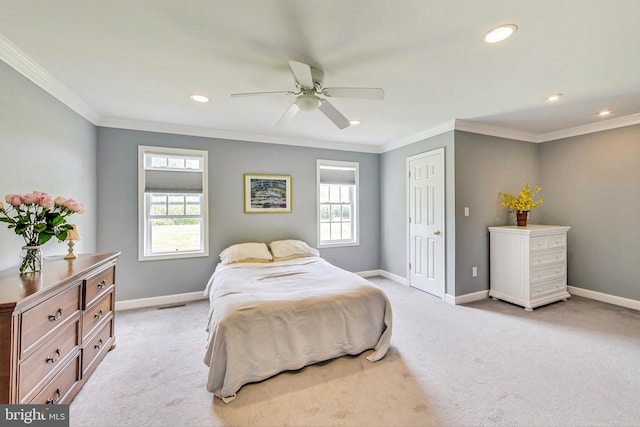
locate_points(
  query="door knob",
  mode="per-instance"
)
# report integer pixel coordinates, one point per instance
(436, 233)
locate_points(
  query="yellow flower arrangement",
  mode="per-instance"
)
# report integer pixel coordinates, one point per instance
(524, 202)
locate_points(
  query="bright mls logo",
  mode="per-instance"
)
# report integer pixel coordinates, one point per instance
(35, 415)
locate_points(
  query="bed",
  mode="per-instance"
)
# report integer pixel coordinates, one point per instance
(270, 314)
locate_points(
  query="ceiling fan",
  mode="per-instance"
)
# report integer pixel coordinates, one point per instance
(309, 85)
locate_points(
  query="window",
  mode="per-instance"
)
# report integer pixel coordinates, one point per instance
(172, 203)
(337, 203)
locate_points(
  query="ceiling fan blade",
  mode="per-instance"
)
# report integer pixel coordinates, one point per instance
(302, 73)
(285, 92)
(288, 115)
(334, 115)
(354, 92)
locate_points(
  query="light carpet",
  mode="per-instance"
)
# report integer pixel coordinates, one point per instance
(574, 363)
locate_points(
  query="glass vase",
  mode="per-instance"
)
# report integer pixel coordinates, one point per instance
(30, 259)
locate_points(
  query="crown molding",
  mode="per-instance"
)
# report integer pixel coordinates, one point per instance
(500, 132)
(23, 64)
(149, 126)
(421, 136)
(609, 124)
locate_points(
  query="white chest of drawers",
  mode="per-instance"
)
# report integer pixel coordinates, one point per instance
(528, 264)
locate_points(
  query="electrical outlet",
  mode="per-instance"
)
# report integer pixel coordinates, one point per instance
(474, 271)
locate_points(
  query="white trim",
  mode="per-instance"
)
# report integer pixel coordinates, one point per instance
(142, 226)
(396, 278)
(467, 298)
(141, 125)
(609, 299)
(393, 277)
(500, 132)
(421, 136)
(484, 129)
(26, 66)
(435, 152)
(356, 206)
(369, 273)
(160, 300)
(609, 124)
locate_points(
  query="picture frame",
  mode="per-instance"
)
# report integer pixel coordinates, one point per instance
(267, 193)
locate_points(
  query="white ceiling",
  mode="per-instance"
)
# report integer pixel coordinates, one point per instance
(134, 64)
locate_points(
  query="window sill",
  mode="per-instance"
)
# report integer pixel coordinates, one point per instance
(173, 256)
(337, 245)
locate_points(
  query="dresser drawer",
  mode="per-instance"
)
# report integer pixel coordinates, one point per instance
(543, 274)
(543, 289)
(95, 314)
(557, 240)
(98, 284)
(538, 243)
(547, 257)
(47, 317)
(97, 346)
(62, 387)
(49, 358)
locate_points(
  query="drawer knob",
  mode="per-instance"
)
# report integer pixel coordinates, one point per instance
(539, 259)
(98, 345)
(557, 270)
(102, 284)
(56, 316)
(53, 401)
(54, 358)
(539, 274)
(98, 314)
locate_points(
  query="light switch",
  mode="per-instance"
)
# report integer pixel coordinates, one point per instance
(466, 211)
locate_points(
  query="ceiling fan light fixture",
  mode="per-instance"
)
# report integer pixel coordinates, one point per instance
(500, 33)
(308, 102)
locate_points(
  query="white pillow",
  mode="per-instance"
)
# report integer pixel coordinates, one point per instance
(289, 249)
(246, 252)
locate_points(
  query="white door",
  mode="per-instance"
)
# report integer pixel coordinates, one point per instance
(426, 221)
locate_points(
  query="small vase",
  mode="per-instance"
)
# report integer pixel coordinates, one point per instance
(30, 259)
(521, 218)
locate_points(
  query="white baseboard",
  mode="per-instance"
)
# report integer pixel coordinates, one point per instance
(599, 296)
(450, 299)
(370, 273)
(466, 298)
(159, 301)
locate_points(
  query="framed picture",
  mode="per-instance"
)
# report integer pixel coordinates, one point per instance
(267, 193)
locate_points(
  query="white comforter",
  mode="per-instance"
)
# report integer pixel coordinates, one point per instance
(266, 318)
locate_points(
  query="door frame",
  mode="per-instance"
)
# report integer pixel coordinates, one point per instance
(440, 150)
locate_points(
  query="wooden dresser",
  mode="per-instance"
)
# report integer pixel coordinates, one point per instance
(56, 326)
(528, 264)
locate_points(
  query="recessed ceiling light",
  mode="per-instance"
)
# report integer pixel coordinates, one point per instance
(354, 122)
(200, 98)
(554, 97)
(604, 113)
(500, 33)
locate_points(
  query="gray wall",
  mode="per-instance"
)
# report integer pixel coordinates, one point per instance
(44, 146)
(594, 186)
(485, 166)
(228, 161)
(394, 216)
